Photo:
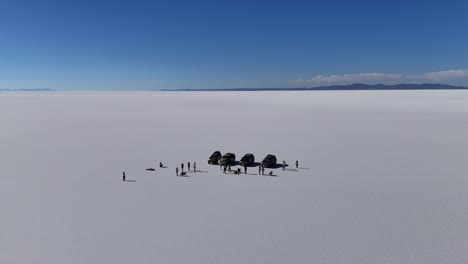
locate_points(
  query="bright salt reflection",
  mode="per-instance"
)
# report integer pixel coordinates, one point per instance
(385, 178)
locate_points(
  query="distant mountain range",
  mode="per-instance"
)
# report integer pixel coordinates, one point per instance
(26, 90)
(350, 87)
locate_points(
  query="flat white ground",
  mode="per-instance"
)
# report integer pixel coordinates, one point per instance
(383, 177)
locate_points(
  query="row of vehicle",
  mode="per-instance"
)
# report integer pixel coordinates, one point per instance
(247, 160)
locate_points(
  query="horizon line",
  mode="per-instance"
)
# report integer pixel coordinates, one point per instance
(354, 86)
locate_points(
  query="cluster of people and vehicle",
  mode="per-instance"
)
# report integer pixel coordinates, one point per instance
(248, 160)
(226, 161)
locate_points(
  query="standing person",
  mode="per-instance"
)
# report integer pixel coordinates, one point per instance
(123, 176)
(177, 171)
(245, 168)
(229, 168)
(225, 168)
(160, 165)
(297, 164)
(263, 169)
(194, 167)
(188, 166)
(284, 164)
(259, 169)
(182, 166)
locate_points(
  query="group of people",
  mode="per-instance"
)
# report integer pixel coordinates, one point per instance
(225, 168)
(284, 164)
(261, 170)
(182, 172)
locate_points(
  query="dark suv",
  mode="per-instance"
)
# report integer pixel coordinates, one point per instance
(215, 157)
(227, 159)
(247, 160)
(269, 161)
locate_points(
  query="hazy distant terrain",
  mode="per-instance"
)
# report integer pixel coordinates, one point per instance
(27, 90)
(383, 177)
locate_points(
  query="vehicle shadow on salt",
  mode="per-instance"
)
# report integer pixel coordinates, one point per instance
(277, 166)
(256, 164)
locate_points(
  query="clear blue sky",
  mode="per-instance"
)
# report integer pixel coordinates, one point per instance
(141, 45)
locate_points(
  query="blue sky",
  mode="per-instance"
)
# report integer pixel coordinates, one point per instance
(143, 45)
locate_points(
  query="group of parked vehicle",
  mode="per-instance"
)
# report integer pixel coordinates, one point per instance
(247, 160)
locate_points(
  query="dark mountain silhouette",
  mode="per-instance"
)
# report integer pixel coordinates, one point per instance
(350, 87)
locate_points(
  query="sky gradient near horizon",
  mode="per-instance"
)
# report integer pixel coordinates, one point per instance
(145, 45)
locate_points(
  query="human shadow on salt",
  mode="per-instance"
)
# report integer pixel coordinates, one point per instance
(130, 181)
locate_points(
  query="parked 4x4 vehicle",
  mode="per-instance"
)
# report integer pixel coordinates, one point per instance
(227, 159)
(247, 160)
(269, 161)
(214, 158)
